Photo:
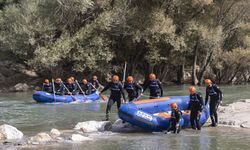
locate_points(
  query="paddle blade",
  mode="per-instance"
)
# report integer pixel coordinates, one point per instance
(104, 98)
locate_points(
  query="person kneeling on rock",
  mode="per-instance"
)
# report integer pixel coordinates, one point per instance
(196, 106)
(175, 119)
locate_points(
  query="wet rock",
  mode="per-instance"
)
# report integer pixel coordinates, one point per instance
(93, 126)
(54, 133)
(10, 133)
(79, 138)
(41, 137)
(20, 87)
(121, 126)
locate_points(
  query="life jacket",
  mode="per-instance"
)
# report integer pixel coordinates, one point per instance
(71, 87)
(195, 103)
(154, 87)
(47, 87)
(115, 89)
(211, 90)
(131, 89)
(176, 115)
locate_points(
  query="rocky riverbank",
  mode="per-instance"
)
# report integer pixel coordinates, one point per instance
(235, 114)
(15, 77)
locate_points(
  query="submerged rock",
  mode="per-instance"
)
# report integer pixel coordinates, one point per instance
(79, 138)
(8, 132)
(93, 126)
(41, 137)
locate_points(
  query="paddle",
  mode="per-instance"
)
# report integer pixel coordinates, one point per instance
(73, 97)
(103, 97)
(53, 87)
(77, 83)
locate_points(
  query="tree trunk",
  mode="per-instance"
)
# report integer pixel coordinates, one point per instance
(194, 77)
(204, 68)
(180, 74)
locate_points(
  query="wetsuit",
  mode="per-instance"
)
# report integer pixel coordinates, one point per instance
(196, 106)
(47, 87)
(95, 84)
(133, 89)
(174, 121)
(86, 88)
(116, 89)
(71, 87)
(155, 88)
(59, 88)
(215, 95)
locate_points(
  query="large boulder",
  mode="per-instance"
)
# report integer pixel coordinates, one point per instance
(8, 132)
(41, 137)
(93, 126)
(79, 138)
(20, 87)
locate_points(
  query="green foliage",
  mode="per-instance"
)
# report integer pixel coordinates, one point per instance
(98, 36)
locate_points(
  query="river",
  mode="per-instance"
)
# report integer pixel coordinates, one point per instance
(19, 110)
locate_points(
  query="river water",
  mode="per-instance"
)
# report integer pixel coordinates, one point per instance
(19, 110)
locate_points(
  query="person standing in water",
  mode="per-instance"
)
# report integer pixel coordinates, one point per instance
(133, 89)
(175, 119)
(196, 106)
(155, 87)
(214, 93)
(116, 93)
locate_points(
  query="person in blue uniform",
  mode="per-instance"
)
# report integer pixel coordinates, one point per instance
(196, 106)
(95, 84)
(59, 86)
(47, 87)
(175, 119)
(116, 93)
(86, 87)
(155, 87)
(215, 95)
(133, 89)
(71, 87)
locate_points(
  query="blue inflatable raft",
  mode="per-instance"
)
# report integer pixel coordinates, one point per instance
(45, 97)
(155, 114)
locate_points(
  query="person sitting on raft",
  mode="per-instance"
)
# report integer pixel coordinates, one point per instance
(133, 89)
(215, 94)
(70, 87)
(175, 119)
(116, 89)
(155, 87)
(59, 86)
(86, 87)
(47, 87)
(95, 83)
(196, 106)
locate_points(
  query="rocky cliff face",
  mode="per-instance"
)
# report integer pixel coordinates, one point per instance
(16, 77)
